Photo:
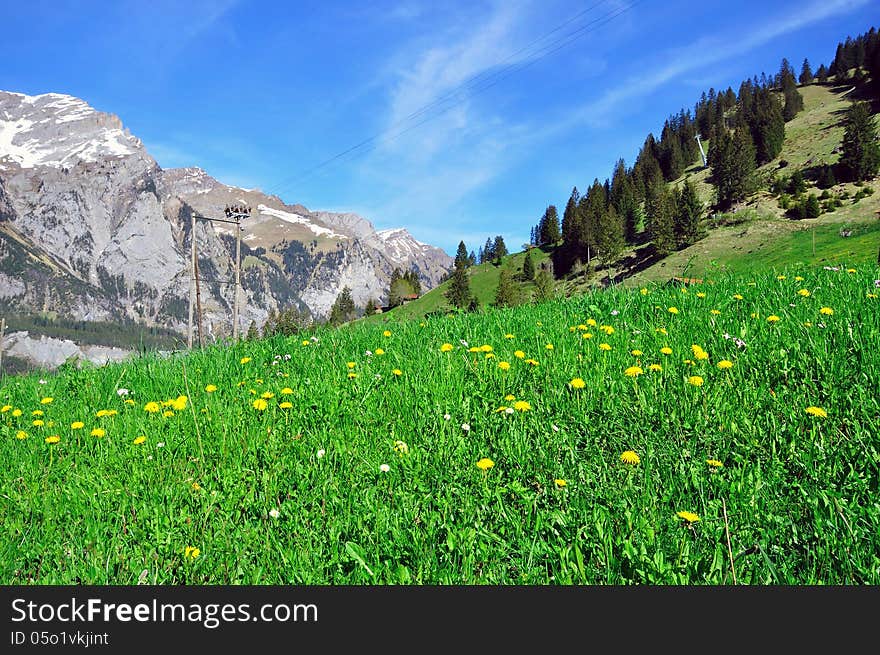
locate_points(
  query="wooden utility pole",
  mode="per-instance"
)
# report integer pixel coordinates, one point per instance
(192, 281)
(199, 304)
(237, 278)
(2, 334)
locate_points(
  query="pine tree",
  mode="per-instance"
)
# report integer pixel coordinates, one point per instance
(269, 325)
(688, 215)
(507, 294)
(472, 259)
(543, 286)
(661, 221)
(610, 241)
(343, 309)
(550, 233)
(806, 73)
(461, 255)
(822, 74)
(528, 269)
(860, 158)
(371, 307)
(488, 251)
(459, 292)
(811, 207)
(732, 158)
(499, 249)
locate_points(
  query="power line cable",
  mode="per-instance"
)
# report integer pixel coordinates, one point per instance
(490, 80)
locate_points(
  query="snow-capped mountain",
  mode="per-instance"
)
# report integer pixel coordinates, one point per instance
(92, 228)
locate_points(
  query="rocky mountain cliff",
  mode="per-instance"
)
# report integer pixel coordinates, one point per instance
(91, 228)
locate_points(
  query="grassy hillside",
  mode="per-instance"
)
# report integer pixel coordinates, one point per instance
(623, 437)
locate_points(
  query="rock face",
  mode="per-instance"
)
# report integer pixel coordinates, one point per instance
(93, 229)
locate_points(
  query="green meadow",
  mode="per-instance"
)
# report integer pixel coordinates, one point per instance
(727, 431)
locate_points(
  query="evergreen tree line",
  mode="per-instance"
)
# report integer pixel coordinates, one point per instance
(492, 251)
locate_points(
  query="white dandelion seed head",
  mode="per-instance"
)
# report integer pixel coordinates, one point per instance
(161, 444)
(508, 410)
(384, 468)
(274, 513)
(368, 353)
(287, 357)
(122, 392)
(555, 428)
(614, 312)
(314, 339)
(42, 382)
(149, 457)
(446, 417)
(275, 363)
(726, 335)
(320, 453)
(277, 357)
(466, 427)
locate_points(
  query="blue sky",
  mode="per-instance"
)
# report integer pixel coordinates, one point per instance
(260, 92)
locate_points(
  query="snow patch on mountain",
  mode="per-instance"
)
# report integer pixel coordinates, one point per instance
(296, 219)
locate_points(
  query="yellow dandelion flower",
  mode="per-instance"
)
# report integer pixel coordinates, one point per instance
(804, 292)
(305, 342)
(38, 423)
(868, 294)
(167, 413)
(286, 391)
(37, 412)
(179, 403)
(714, 312)
(532, 362)
(673, 310)
(152, 407)
(560, 482)
(286, 405)
(850, 270)
(244, 360)
(191, 552)
(633, 371)
(490, 355)
(700, 294)
(725, 364)
(397, 372)
(46, 401)
(643, 291)
(485, 464)
(351, 364)
(630, 457)
(21, 434)
(699, 353)
(352, 376)
(379, 351)
(139, 440)
(780, 277)
(401, 447)
(816, 411)
(446, 347)
(509, 336)
(655, 367)
(196, 486)
(695, 380)
(486, 348)
(519, 354)
(604, 346)
(592, 322)
(690, 517)
(581, 327)
(16, 412)
(509, 397)
(798, 278)
(661, 331)
(549, 346)
(737, 296)
(386, 333)
(577, 383)
(607, 329)
(714, 463)
(53, 439)
(503, 408)
(5, 409)
(267, 395)
(636, 353)
(666, 350)
(504, 366)
(77, 425)
(826, 311)
(259, 404)
(587, 335)
(98, 432)
(773, 318)
(684, 290)
(522, 406)
(129, 401)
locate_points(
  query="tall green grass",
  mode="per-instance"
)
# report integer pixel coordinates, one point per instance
(797, 494)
